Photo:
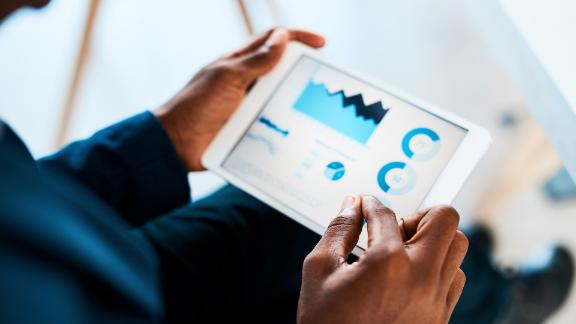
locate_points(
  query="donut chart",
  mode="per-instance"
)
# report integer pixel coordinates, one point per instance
(396, 178)
(334, 171)
(421, 144)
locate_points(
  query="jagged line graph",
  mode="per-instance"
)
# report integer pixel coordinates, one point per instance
(373, 111)
(347, 115)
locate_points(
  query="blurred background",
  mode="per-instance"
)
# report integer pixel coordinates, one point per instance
(79, 65)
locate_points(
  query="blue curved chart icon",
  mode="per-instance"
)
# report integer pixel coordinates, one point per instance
(334, 171)
(396, 178)
(421, 144)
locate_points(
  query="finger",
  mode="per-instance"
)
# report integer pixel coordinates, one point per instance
(342, 234)
(253, 44)
(305, 37)
(431, 232)
(454, 257)
(455, 292)
(409, 225)
(263, 58)
(382, 225)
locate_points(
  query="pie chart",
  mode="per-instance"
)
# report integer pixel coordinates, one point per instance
(334, 171)
(421, 144)
(396, 178)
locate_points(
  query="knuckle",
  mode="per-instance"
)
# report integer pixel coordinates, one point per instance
(393, 249)
(316, 259)
(386, 254)
(226, 70)
(219, 69)
(342, 222)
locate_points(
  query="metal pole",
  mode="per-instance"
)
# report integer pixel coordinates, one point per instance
(246, 17)
(77, 74)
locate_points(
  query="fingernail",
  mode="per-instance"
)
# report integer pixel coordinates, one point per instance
(349, 202)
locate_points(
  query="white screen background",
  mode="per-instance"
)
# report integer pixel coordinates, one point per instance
(291, 169)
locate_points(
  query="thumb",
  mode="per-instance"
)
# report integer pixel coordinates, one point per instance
(342, 234)
(261, 60)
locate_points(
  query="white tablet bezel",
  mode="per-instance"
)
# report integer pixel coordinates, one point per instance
(444, 190)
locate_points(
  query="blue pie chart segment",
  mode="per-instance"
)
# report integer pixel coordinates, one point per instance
(421, 144)
(396, 178)
(334, 171)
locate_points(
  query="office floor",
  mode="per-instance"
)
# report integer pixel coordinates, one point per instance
(140, 57)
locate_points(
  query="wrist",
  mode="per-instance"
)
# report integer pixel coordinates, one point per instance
(182, 146)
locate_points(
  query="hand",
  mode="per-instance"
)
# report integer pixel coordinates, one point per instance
(409, 273)
(194, 116)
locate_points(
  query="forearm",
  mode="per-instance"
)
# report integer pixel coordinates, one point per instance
(132, 165)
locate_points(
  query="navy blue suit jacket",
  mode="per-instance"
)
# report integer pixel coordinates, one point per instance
(69, 251)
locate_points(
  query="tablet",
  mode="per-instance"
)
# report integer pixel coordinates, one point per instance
(309, 133)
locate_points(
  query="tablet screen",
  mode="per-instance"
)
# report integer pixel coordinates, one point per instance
(324, 134)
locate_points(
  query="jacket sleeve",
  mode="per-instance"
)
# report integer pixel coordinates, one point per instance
(131, 165)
